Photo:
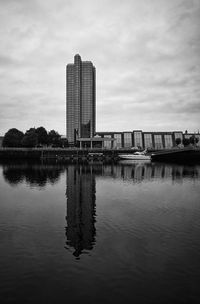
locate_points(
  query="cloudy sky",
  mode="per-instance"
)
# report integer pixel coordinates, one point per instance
(146, 53)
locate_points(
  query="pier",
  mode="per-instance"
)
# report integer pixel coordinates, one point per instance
(187, 154)
(63, 154)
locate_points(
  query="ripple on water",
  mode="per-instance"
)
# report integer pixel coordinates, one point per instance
(143, 235)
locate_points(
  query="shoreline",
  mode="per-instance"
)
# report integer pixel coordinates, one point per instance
(188, 154)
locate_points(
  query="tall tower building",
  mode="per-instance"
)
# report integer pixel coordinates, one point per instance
(81, 100)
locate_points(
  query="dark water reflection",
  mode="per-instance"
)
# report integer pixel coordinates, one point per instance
(126, 232)
(81, 188)
(32, 174)
(42, 174)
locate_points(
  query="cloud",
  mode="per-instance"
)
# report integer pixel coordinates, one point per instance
(146, 55)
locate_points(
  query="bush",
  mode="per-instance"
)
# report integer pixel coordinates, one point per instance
(186, 142)
(194, 140)
(178, 141)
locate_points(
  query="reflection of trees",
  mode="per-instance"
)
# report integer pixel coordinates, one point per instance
(40, 174)
(12, 176)
(80, 230)
(32, 174)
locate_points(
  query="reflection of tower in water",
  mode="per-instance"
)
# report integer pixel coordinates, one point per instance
(80, 230)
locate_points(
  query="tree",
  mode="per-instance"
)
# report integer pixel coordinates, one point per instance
(54, 139)
(42, 136)
(178, 141)
(12, 138)
(194, 140)
(30, 138)
(65, 143)
(186, 142)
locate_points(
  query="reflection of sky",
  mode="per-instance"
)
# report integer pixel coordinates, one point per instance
(157, 218)
(145, 240)
(151, 227)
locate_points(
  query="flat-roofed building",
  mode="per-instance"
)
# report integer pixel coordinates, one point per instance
(168, 142)
(178, 134)
(128, 140)
(158, 141)
(187, 135)
(118, 140)
(107, 143)
(148, 142)
(81, 99)
(1, 141)
(137, 139)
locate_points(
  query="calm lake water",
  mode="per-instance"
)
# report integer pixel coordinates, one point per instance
(118, 233)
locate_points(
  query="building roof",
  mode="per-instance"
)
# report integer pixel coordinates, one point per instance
(96, 139)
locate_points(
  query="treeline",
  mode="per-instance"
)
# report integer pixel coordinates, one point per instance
(187, 141)
(34, 137)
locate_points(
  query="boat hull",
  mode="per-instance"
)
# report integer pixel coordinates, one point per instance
(135, 157)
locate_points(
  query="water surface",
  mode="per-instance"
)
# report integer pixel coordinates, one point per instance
(117, 233)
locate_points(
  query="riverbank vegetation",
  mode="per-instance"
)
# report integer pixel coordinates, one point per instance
(192, 140)
(34, 137)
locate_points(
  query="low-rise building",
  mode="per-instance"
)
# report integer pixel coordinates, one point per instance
(144, 140)
(1, 141)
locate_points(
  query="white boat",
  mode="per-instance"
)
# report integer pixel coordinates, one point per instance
(136, 156)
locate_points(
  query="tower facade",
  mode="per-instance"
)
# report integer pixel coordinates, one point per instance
(81, 100)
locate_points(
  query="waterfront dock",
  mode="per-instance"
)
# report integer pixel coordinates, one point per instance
(62, 154)
(187, 154)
